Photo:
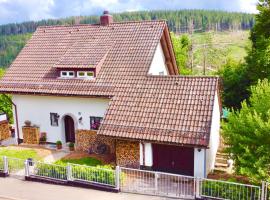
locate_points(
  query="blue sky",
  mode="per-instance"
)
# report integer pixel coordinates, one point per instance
(25, 10)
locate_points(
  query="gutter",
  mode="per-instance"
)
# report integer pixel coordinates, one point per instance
(16, 118)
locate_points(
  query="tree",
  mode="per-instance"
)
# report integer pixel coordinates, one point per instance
(234, 79)
(182, 45)
(247, 133)
(257, 65)
(258, 59)
(5, 102)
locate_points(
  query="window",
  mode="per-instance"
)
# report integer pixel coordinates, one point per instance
(161, 73)
(67, 74)
(85, 74)
(95, 122)
(54, 119)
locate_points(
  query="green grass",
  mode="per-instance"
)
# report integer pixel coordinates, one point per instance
(81, 161)
(21, 154)
(222, 46)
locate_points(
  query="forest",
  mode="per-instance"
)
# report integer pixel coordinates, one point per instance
(14, 36)
(178, 21)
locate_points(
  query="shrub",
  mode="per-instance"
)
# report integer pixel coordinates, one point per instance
(58, 142)
(99, 174)
(225, 190)
(51, 171)
(71, 145)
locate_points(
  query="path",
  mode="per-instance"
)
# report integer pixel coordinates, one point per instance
(55, 156)
(11, 188)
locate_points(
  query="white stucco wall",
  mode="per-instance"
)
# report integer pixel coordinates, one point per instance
(158, 63)
(214, 137)
(37, 109)
(199, 163)
(148, 154)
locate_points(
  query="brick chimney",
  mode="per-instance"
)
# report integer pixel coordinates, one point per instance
(106, 19)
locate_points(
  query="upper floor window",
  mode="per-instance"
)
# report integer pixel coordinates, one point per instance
(67, 74)
(161, 73)
(85, 74)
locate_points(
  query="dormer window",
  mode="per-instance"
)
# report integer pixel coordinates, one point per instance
(85, 74)
(67, 74)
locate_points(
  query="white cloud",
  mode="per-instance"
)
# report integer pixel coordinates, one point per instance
(248, 6)
(25, 10)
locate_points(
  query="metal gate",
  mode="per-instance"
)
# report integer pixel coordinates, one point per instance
(157, 183)
(265, 191)
(13, 167)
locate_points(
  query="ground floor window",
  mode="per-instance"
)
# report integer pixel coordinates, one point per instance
(54, 119)
(95, 122)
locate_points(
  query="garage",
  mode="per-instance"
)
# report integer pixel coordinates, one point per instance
(173, 159)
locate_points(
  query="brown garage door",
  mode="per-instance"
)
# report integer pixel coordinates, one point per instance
(173, 159)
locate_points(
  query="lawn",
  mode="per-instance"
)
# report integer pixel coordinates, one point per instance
(19, 153)
(80, 161)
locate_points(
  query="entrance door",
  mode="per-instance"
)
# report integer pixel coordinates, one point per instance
(69, 129)
(173, 159)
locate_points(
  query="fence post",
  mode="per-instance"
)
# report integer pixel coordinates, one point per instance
(117, 177)
(26, 167)
(156, 182)
(262, 192)
(5, 160)
(197, 189)
(69, 172)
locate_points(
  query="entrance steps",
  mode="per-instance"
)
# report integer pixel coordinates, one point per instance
(222, 163)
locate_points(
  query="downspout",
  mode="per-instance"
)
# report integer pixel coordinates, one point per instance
(16, 117)
(205, 160)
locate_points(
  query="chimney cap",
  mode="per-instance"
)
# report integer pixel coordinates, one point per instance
(106, 12)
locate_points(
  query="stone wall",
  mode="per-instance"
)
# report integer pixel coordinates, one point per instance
(86, 139)
(31, 135)
(4, 130)
(128, 153)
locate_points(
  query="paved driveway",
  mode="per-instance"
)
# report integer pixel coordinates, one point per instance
(14, 189)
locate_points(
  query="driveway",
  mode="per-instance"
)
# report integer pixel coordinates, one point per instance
(14, 189)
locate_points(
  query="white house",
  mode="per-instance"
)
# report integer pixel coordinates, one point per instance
(119, 81)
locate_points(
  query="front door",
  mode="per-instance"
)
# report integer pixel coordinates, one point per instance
(69, 129)
(173, 159)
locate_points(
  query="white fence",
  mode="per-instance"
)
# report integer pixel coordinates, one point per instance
(137, 181)
(157, 183)
(217, 189)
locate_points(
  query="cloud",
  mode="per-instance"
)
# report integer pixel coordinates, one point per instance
(25, 10)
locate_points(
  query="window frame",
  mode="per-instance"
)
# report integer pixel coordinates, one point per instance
(93, 118)
(68, 74)
(54, 119)
(85, 74)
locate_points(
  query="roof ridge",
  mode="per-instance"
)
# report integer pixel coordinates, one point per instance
(83, 25)
(183, 76)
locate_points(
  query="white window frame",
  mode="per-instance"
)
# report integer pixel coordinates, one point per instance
(85, 74)
(68, 74)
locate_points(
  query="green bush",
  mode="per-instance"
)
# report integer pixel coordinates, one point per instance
(99, 174)
(223, 190)
(51, 171)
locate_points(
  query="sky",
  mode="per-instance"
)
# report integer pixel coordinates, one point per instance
(24, 10)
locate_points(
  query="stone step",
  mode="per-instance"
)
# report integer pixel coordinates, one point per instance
(220, 169)
(221, 165)
(222, 155)
(221, 160)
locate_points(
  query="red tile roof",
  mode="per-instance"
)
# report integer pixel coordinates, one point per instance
(172, 109)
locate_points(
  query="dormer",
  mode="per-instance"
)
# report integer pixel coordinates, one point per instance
(83, 59)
